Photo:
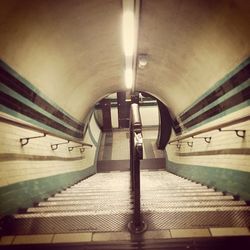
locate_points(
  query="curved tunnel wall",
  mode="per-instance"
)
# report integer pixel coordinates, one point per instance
(224, 162)
(59, 46)
(34, 171)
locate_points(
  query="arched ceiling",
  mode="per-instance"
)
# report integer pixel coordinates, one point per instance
(190, 45)
(71, 50)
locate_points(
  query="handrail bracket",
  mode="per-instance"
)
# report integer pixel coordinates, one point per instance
(206, 138)
(239, 132)
(80, 146)
(55, 146)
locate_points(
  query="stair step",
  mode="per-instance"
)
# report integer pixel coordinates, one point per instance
(158, 203)
(143, 194)
(155, 197)
(145, 206)
(75, 222)
(69, 213)
(153, 188)
(165, 183)
(194, 203)
(171, 190)
(153, 203)
(79, 208)
(199, 209)
(88, 195)
(156, 194)
(117, 211)
(90, 199)
(68, 210)
(79, 202)
(190, 198)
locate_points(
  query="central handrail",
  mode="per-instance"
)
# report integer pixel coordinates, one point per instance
(137, 225)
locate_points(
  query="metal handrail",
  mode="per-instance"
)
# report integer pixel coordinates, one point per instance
(25, 141)
(137, 225)
(36, 129)
(80, 146)
(215, 127)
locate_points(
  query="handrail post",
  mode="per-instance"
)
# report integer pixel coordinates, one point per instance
(137, 225)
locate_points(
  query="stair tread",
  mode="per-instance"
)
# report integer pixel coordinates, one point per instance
(114, 211)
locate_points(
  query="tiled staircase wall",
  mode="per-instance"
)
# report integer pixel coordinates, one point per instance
(223, 163)
(34, 171)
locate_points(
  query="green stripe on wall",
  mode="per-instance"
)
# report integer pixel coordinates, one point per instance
(13, 73)
(34, 122)
(220, 115)
(27, 102)
(227, 95)
(233, 181)
(218, 84)
(24, 194)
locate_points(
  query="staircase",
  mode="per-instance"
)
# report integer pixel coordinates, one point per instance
(102, 203)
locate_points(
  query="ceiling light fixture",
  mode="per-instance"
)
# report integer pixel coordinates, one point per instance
(128, 39)
(128, 33)
(142, 60)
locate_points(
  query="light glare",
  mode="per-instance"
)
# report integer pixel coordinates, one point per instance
(129, 77)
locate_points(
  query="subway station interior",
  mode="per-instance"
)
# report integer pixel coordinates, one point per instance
(124, 124)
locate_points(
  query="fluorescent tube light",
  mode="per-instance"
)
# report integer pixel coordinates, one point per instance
(128, 33)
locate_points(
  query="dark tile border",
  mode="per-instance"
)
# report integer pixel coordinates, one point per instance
(17, 83)
(24, 109)
(25, 157)
(234, 79)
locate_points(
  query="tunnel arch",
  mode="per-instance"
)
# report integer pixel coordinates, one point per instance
(69, 55)
(76, 48)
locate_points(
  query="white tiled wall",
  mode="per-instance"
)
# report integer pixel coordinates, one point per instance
(12, 171)
(220, 141)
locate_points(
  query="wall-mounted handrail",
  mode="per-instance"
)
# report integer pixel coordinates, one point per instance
(179, 143)
(36, 129)
(55, 146)
(80, 146)
(239, 132)
(206, 138)
(215, 127)
(137, 225)
(25, 141)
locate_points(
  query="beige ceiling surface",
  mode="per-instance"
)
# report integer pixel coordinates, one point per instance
(72, 49)
(191, 44)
